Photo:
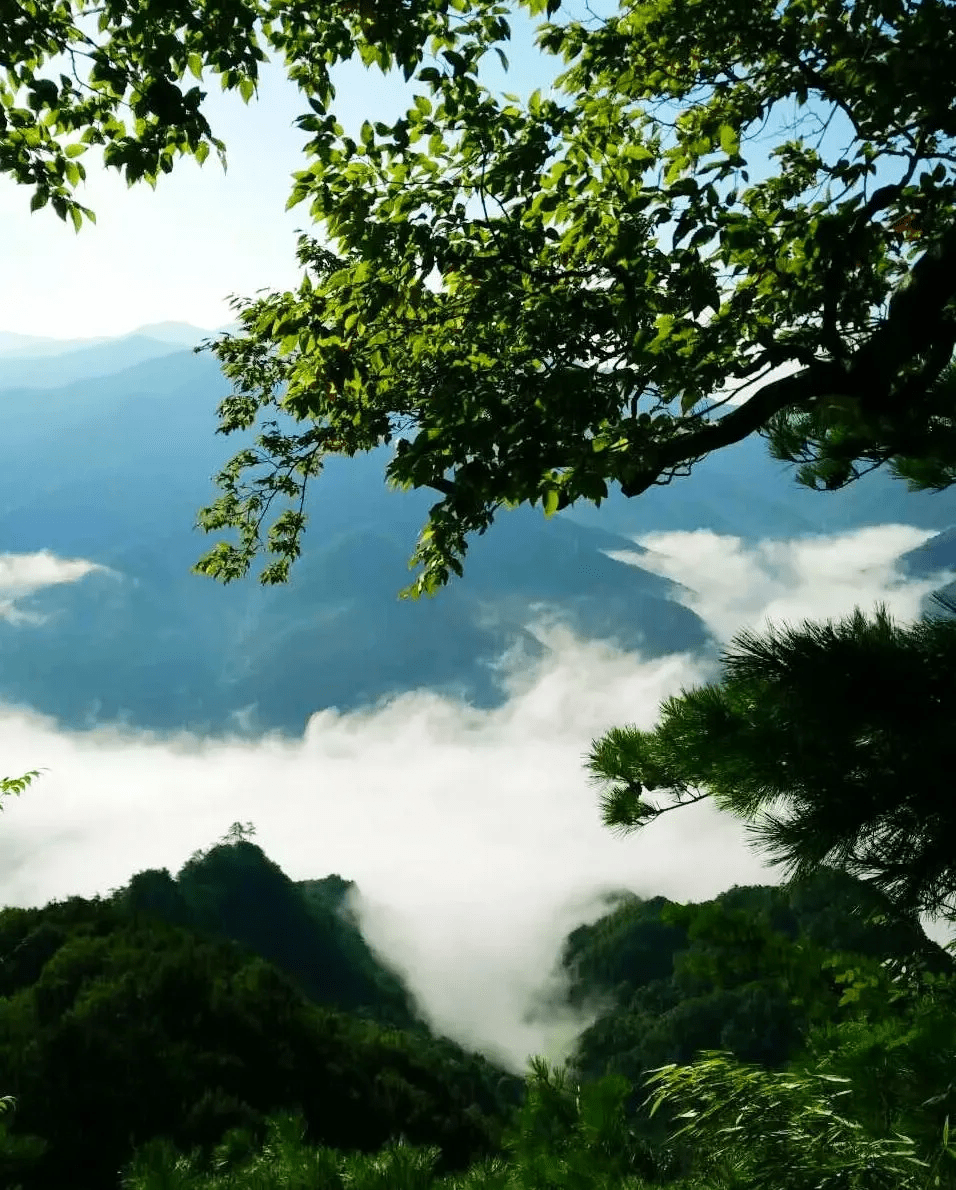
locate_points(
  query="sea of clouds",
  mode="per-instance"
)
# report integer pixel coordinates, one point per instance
(474, 835)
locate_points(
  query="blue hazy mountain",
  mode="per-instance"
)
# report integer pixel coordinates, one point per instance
(52, 363)
(114, 468)
(178, 334)
(935, 557)
(16, 344)
(742, 491)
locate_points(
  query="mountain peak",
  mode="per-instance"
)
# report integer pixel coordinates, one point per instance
(179, 333)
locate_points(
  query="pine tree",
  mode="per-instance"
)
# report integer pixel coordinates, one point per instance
(833, 741)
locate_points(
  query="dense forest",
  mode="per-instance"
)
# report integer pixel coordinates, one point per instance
(229, 1023)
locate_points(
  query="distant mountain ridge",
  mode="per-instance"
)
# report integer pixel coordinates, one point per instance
(126, 461)
(54, 363)
(179, 334)
(113, 468)
(12, 342)
(935, 557)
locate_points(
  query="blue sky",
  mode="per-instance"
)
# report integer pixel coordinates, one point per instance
(178, 252)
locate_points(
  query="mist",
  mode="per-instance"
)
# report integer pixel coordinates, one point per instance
(474, 835)
(23, 574)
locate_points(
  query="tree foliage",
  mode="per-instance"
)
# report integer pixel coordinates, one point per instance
(867, 1104)
(129, 77)
(832, 741)
(782, 1130)
(533, 300)
(808, 1127)
(536, 299)
(233, 891)
(223, 1040)
(756, 972)
(16, 785)
(565, 1137)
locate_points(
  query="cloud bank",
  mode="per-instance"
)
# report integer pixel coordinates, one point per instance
(732, 585)
(474, 835)
(22, 575)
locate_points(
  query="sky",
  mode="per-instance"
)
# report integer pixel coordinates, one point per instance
(474, 835)
(179, 252)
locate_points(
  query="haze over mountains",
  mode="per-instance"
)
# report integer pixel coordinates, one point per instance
(114, 472)
(111, 447)
(38, 362)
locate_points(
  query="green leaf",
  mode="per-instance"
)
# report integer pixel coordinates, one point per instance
(456, 60)
(729, 140)
(665, 326)
(550, 501)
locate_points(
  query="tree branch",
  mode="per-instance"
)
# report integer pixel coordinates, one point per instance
(787, 392)
(658, 810)
(920, 323)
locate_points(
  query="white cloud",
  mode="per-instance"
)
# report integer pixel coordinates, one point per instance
(474, 835)
(23, 574)
(732, 585)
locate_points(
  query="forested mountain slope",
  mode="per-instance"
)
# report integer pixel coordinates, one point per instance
(116, 1026)
(234, 892)
(184, 1007)
(750, 971)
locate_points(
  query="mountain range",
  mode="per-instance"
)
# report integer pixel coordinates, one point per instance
(195, 1005)
(110, 448)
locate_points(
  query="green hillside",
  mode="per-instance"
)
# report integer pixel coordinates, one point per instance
(746, 972)
(185, 1008)
(117, 1026)
(234, 892)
